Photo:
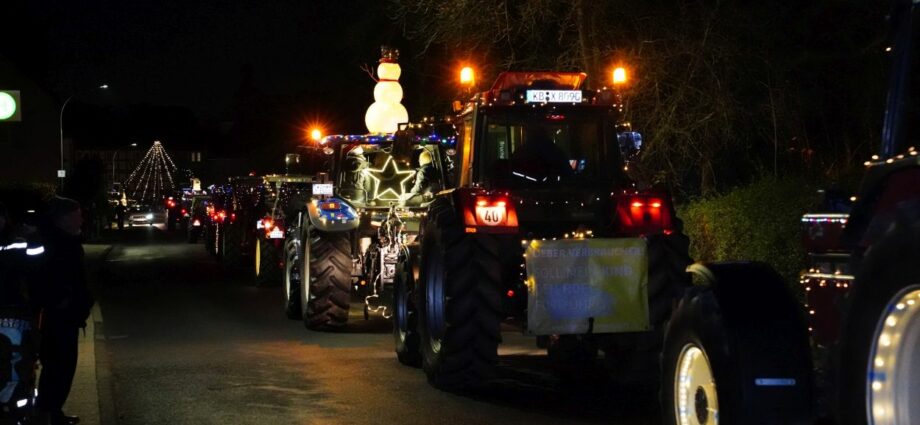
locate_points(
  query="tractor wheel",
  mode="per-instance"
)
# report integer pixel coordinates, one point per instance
(730, 360)
(232, 246)
(193, 235)
(266, 263)
(325, 291)
(292, 278)
(209, 244)
(405, 316)
(460, 301)
(632, 360)
(879, 357)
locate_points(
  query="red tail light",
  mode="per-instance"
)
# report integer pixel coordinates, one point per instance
(488, 213)
(272, 228)
(642, 214)
(266, 223)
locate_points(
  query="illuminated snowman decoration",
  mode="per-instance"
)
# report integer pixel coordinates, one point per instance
(385, 114)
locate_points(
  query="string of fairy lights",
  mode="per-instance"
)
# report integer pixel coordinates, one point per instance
(147, 179)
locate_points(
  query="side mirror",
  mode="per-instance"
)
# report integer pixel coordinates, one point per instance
(630, 144)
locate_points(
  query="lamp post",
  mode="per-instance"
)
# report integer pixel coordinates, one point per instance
(61, 128)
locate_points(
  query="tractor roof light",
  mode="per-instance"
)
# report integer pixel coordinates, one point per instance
(316, 134)
(619, 76)
(467, 76)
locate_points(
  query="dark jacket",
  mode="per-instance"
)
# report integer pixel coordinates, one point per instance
(61, 291)
(12, 270)
(427, 181)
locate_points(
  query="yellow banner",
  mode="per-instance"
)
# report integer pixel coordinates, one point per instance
(576, 284)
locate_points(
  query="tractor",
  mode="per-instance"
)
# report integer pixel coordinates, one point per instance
(540, 227)
(283, 195)
(345, 239)
(741, 348)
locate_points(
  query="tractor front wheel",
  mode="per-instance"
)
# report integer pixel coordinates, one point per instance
(325, 291)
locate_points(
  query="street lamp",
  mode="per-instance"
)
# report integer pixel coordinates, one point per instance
(61, 172)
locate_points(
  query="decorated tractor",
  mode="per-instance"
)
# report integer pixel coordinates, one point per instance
(284, 195)
(741, 349)
(541, 228)
(345, 239)
(232, 208)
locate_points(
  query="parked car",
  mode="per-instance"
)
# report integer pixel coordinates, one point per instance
(140, 215)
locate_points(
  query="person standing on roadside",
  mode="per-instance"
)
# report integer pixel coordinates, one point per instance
(18, 258)
(65, 300)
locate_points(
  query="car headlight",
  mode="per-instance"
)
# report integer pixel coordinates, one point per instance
(149, 216)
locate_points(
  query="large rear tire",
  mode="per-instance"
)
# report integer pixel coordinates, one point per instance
(879, 371)
(405, 315)
(232, 246)
(266, 259)
(460, 301)
(632, 360)
(325, 293)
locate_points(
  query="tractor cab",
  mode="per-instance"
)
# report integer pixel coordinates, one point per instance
(404, 170)
(557, 154)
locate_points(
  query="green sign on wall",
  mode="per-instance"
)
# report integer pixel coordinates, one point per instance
(10, 105)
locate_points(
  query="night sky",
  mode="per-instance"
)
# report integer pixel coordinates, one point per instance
(276, 65)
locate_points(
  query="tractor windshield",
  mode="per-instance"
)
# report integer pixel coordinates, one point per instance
(369, 176)
(550, 149)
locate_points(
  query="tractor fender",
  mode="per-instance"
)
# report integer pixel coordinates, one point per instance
(746, 289)
(758, 341)
(889, 193)
(342, 219)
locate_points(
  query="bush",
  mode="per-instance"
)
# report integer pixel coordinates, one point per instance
(759, 222)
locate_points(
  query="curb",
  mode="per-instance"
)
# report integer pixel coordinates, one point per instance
(84, 399)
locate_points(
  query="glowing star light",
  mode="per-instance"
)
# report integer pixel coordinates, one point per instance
(390, 179)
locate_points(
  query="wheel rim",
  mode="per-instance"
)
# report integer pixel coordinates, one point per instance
(892, 392)
(291, 273)
(258, 258)
(696, 400)
(434, 299)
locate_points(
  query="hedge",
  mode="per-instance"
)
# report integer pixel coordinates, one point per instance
(759, 222)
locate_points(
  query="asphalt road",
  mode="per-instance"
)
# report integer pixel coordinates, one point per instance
(186, 342)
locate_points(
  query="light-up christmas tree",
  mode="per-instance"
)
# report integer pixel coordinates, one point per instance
(152, 179)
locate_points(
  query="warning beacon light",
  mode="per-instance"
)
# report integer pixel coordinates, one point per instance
(467, 76)
(316, 134)
(619, 76)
